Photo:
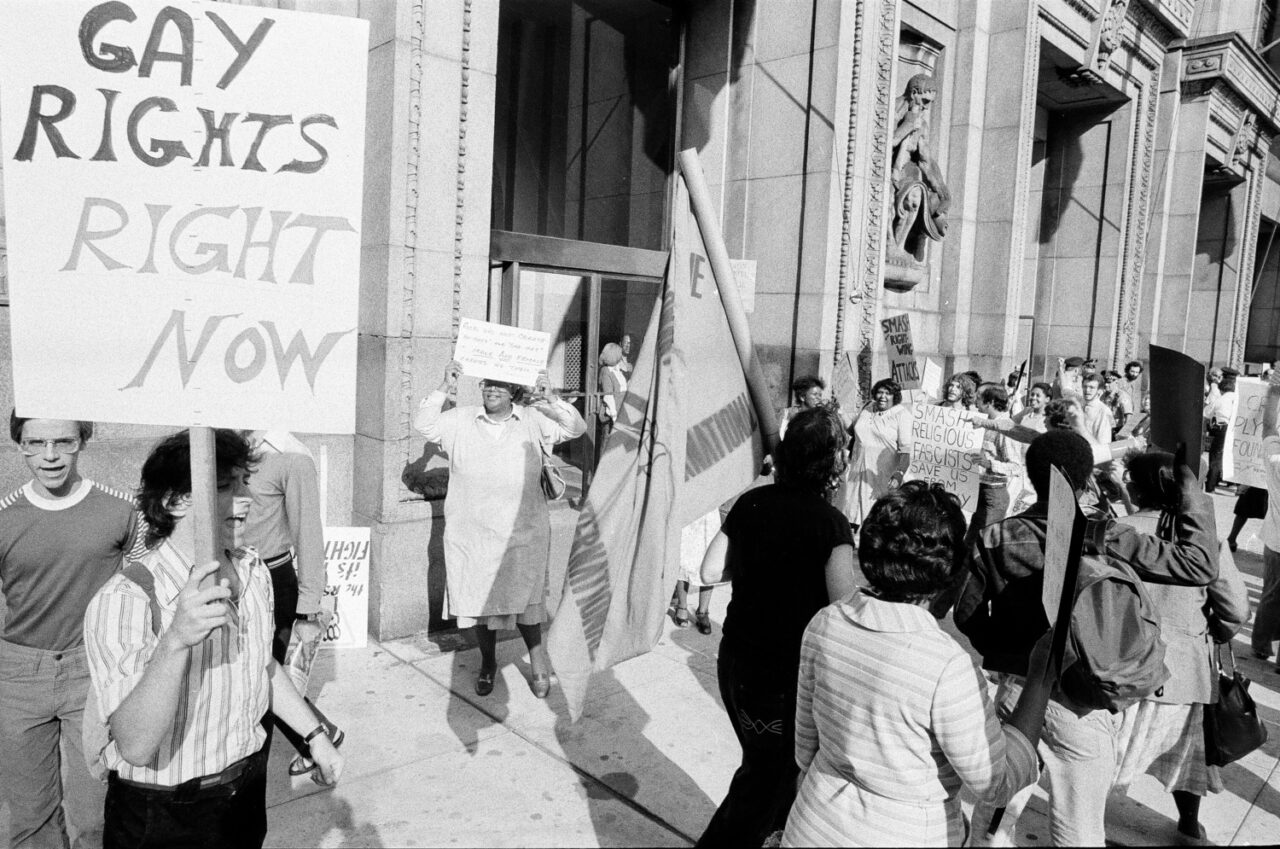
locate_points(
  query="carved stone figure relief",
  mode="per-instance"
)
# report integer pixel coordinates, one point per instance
(921, 198)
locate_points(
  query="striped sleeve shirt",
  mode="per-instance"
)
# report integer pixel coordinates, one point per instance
(226, 690)
(892, 717)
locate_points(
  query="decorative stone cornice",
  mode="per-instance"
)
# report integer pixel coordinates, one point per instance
(1174, 14)
(1228, 60)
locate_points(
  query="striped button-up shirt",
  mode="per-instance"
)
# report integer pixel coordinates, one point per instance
(892, 717)
(226, 689)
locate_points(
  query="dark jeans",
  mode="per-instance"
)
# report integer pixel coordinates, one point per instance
(228, 817)
(284, 584)
(1217, 444)
(761, 704)
(993, 501)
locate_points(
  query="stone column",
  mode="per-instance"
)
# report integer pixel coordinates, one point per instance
(424, 266)
(1247, 246)
(993, 125)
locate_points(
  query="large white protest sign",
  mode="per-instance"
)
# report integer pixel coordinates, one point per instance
(346, 590)
(183, 197)
(945, 449)
(499, 352)
(902, 353)
(1244, 438)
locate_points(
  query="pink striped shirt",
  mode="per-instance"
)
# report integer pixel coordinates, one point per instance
(226, 690)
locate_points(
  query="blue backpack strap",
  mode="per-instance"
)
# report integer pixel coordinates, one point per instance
(141, 576)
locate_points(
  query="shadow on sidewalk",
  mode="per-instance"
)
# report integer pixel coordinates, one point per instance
(616, 761)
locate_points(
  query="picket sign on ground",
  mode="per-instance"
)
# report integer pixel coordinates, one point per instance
(346, 586)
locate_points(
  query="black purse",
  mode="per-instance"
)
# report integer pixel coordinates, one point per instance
(1232, 728)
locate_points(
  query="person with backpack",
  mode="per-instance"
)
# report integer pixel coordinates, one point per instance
(180, 657)
(61, 537)
(1114, 655)
(1163, 734)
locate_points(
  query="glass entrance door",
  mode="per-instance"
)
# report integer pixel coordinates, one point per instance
(586, 296)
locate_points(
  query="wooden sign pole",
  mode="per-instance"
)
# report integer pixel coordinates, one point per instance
(204, 498)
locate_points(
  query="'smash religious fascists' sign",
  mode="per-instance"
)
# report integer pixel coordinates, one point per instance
(499, 352)
(945, 449)
(182, 195)
(902, 353)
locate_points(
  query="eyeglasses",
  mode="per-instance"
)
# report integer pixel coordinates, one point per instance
(62, 445)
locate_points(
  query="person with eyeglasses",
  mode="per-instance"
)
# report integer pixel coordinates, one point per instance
(61, 537)
(182, 669)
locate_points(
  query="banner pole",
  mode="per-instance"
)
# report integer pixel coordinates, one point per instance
(204, 497)
(705, 214)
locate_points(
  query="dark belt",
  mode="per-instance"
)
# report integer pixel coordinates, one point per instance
(278, 560)
(219, 785)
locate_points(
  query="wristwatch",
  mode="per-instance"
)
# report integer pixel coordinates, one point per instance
(307, 617)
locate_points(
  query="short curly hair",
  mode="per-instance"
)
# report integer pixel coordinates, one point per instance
(166, 476)
(912, 543)
(1065, 449)
(894, 388)
(812, 453)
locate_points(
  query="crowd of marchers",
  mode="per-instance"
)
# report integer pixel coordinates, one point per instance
(860, 719)
(140, 685)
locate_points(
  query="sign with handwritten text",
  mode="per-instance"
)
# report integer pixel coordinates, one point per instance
(902, 353)
(945, 449)
(1243, 463)
(346, 590)
(499, 352)
(185, 179)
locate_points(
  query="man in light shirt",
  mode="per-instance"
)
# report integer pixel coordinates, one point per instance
(285, 526)
(180, 656)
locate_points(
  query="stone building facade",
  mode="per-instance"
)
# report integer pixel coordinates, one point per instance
(1025, 180)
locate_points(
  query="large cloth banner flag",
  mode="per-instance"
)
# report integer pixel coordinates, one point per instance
(183, 190)
(685, 441)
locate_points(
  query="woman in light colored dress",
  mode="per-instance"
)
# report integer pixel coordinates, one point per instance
(1164, 735)
(497, 530)
(613, 386)
(881, 450)
(892, 716)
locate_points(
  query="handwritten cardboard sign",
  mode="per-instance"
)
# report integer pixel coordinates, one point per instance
(945, 449)
(184, 179)
(499, 352)
(902, 353)
(1245, 435)
(346, 590)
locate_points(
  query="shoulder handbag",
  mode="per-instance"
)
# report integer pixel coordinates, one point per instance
(1232, 728)
(553, 485)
